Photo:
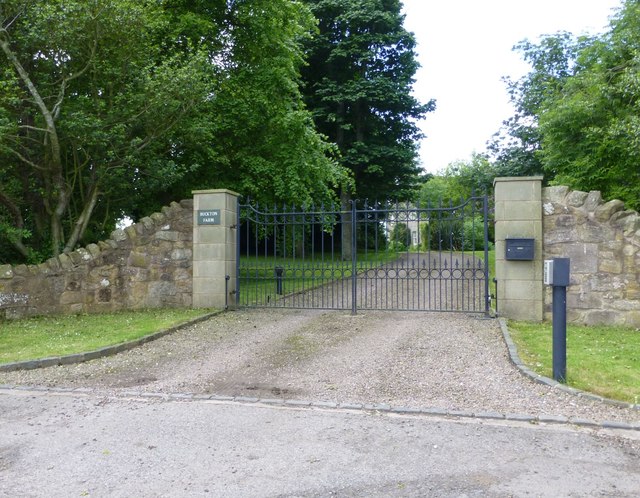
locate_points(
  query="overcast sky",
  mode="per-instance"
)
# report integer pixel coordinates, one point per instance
(464, 47)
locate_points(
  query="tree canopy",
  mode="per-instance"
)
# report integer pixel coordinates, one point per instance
(358, 82)
(109, 108)
(578, 110)
(459, 181)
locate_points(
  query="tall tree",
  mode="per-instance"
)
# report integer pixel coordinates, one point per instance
(110, 108)
(459, 181)
(578, 109)
(358, 82)
(515, 148)
(255, 135)
(84, 99)
(590, 130)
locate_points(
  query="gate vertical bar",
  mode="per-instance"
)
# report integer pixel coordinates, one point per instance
(487, 298)
(238, 253)
(354, 260)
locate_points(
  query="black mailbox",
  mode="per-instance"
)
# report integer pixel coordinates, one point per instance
(519, 249)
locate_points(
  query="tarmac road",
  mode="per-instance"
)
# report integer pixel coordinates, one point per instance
(71, 444)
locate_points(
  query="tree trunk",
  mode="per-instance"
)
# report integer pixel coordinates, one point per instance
(345, 194)
(83, 220)
(18, 222)
(53, 161)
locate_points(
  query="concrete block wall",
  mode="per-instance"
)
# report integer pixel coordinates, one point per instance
(215, 249)
(518, 214)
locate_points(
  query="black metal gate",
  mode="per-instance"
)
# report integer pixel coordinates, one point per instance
(384, 257)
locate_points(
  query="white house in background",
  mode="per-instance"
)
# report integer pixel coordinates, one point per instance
(408, 215)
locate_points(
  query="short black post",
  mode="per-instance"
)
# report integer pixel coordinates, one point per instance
(559, 308)
(560, 333)
(279, 272)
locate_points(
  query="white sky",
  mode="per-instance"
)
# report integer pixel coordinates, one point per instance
(464, 47)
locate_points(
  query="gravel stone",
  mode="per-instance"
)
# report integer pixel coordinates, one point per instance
(442, 362)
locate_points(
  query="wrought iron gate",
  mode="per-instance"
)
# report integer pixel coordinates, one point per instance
(384, 257)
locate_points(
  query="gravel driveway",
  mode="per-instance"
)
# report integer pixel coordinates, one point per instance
(419, 360)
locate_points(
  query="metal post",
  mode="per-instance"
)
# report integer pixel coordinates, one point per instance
(279, 272)
(560, 333)
(226, 292)
(560, 280)
(485, 213)
(354, 261)
(495, 281)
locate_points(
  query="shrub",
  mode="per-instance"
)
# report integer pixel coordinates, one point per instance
(400, 237)
(453, 234)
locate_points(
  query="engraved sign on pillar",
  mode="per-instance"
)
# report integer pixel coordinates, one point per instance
(209, 217)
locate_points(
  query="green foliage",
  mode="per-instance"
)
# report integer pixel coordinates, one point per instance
(577, 111)
(400, 237)
(258, 138)
(473, 234)
(447, 232)
(89, 99)
(444, 233)
(114, 108)
(456, 220)
(458, 182)
(357, 83)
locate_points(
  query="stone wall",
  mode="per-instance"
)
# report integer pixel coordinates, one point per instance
(146, 265)
(603, 241)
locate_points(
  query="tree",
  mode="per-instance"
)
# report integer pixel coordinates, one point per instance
(458, 182)
(255, 136)
(400, 237)
(516, 146)
(455, 186)
(84, 99)
(578, 110)
(112, 108)
(590, 131)
(357, 83)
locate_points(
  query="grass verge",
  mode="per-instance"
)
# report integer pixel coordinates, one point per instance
(41, 337)
(604, 360)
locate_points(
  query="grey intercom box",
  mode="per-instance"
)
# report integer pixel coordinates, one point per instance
(557, 272)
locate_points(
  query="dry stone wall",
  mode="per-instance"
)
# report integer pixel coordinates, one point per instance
(146, 265)
(603, 241)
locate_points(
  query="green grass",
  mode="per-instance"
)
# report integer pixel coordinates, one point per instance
(603, 360)
(258, 280)
(34, 338)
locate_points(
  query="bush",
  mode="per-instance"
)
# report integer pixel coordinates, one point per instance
(453, 234)
(400, 237)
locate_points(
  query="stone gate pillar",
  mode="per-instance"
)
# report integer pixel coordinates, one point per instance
(518, 204)
(215, 215)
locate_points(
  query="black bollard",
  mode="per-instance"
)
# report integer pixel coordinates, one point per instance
(560, 282)
(279, 272)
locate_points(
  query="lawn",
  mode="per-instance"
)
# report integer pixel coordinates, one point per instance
(258, 280)
(603, 360)
(34, 338)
